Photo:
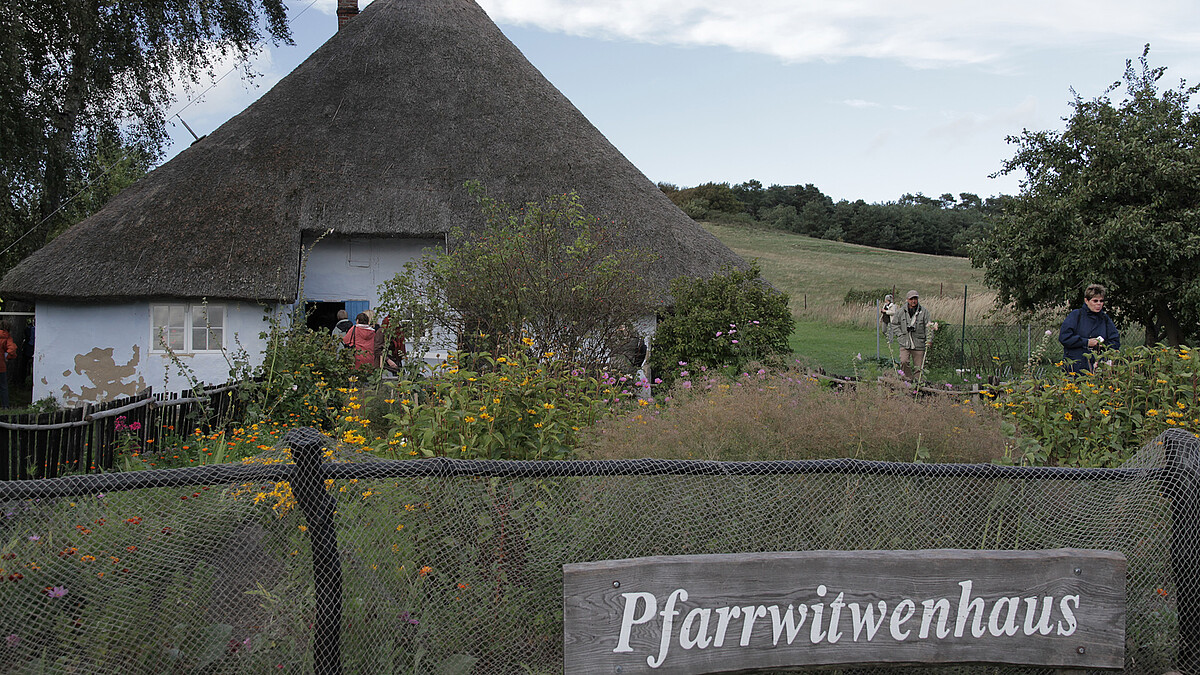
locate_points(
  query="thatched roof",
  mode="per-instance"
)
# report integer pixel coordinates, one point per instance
(373, 135)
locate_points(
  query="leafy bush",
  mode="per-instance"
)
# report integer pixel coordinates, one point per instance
(299, 380)
(547, 271)
(520, 405)
(1101, 419)
(727, 320)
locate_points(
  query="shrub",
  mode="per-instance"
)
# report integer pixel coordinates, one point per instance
(725, 321)
(548, 272)
(1101, 419)
(520, 405)
(299, 380)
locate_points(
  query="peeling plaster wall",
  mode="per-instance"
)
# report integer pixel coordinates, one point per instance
(342, 268)
(93, 353)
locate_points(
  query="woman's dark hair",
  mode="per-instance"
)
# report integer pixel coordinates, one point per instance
(362, 318)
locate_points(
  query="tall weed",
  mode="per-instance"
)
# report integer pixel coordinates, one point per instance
(761, 415)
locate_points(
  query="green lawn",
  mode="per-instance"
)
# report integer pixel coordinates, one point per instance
(833, 348)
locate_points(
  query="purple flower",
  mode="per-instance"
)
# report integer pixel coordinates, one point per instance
(687, 384)
(34, 537)
(658, 380)
(683, 373)
(949, 386)
(12, 639)
(407, 618)
(56, 591)
(754, 322)
(720, 333)
(734, 341)
(683, 363)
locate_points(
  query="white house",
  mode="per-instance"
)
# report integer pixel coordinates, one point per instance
(364, 149)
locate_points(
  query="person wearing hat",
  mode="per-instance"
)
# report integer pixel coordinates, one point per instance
(914, 334)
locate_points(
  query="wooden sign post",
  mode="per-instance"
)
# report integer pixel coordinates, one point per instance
(1063, 608)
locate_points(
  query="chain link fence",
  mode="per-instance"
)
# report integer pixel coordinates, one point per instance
(341, 562)
(997, 350)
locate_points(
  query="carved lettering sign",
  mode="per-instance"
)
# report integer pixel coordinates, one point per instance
(1063, 608)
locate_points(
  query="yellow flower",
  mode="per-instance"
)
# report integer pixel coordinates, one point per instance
(1151, 412)
(548, 406)
(1068, 416)
(399, 527)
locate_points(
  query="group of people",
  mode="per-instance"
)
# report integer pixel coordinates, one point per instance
(1084, 332)
(369, 340)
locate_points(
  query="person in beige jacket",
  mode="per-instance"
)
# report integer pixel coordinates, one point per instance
(914, 334)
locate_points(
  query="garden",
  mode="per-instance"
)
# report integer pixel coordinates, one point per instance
(450, 574)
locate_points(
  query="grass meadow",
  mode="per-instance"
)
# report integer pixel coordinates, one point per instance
(817, 273)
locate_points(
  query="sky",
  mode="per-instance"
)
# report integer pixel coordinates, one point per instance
(865, 99)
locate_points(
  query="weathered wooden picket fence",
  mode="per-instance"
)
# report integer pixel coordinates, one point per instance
(84, 439)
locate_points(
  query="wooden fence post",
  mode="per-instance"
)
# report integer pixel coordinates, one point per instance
(1182, 486)
(309, 487)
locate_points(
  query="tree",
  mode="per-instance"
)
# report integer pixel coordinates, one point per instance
(548, 274)
(79, 78)
(1111, 199)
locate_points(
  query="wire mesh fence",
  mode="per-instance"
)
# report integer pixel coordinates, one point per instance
(341, 562)
(998, 350)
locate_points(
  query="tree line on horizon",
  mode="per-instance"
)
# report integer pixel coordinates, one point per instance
(945, 225)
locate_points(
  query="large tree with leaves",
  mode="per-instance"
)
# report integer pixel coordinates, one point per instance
(85, 87)
(1114, 198)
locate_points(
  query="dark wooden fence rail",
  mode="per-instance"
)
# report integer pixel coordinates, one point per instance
(86, 439)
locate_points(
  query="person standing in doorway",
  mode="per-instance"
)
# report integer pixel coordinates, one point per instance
(361, 337)
(913, 335)
(1086, 330)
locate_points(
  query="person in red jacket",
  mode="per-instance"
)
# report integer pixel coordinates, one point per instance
(9, 349)
(362, 338)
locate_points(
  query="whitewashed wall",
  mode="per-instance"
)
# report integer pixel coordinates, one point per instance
(341, 269)
(99, 352)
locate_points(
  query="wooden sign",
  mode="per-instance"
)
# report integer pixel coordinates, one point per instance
(1063, 608)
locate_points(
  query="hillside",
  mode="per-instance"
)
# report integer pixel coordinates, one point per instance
(816, 273)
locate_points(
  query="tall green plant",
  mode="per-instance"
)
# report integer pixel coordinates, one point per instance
(727, 320)
(548, 272)
(1102, 418)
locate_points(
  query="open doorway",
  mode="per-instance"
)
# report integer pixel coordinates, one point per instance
(322, 316)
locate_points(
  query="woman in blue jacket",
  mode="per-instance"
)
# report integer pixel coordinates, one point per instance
(1085, 330)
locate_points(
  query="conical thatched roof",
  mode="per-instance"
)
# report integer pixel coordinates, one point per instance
(373, 135)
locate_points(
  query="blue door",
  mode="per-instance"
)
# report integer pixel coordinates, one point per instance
(356, 307)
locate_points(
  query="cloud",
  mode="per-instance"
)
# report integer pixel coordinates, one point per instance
(958, 128)
(924, 33)
(859, 103)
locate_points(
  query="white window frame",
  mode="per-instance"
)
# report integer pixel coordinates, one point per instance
(189, 308)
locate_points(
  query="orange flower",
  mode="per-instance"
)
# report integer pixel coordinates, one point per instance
(424, 570)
